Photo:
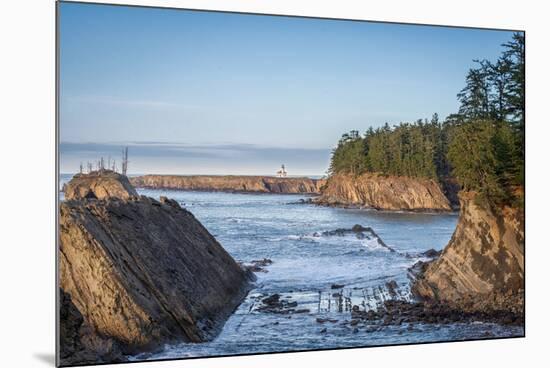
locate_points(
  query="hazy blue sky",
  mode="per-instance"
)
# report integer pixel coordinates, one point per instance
(202, 92)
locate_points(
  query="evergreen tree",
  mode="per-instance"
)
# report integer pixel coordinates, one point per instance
(474, 97)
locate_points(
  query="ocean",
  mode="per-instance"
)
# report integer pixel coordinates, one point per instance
(307, 265)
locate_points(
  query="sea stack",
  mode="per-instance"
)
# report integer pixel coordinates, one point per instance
(137, 273)
(482, 267)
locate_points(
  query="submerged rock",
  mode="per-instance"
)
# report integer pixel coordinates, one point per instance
(143, 272)
(359, 231)
(258, 265)
(274, 304)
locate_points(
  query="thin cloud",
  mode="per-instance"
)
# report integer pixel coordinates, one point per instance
(173, 149)
(113, 101)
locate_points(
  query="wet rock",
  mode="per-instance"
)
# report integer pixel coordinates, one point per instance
(272, 300)
(324, 330)
(262, 262)
(431, 253)
(324, 320)
(392, 288)
(359, 229)
(417, 269)
(336, 286)
(397, 312)
(258, 265)
(254, 268)
(274, 304)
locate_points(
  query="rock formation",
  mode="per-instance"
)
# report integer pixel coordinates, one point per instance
(384, 192)
(99, 185)
(228, 183)
(141, 272)
(482, 267)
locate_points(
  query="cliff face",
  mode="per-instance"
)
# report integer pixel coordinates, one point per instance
(246, 184)
(142, 272)
(482, 267)
(384, 192)
(99, 185)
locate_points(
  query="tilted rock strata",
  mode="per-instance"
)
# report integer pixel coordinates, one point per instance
(78, 342)
(144, 270)
(384, 192)
(482, 267)
(142, 273)
(245, 184)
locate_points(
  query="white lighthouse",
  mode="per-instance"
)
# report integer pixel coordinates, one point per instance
(282, 172)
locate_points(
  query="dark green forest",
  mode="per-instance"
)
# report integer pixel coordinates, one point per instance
(481, 146)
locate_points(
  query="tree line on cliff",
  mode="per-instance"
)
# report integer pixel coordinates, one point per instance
(481, 146)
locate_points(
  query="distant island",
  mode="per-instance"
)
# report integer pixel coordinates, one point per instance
(231, 183)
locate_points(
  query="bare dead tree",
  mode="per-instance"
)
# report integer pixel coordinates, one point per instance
(124, 160)
(81, 168)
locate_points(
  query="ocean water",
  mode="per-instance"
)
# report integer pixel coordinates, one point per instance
(305, 267)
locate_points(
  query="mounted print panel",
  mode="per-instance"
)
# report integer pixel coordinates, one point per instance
(235, 184)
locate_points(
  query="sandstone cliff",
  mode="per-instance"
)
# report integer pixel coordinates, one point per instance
(229, 183)
(142, 272)
(384, 192)
(482, 267)
(99, 185)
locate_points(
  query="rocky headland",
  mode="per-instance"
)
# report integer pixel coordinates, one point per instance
(136, 273)
(230, 183)
(99, 185)
(481, 270)
(383, 192)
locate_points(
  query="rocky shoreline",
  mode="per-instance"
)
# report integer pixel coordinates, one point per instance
(126, 262)
(482, 267)
(504, 309)
(231, 183)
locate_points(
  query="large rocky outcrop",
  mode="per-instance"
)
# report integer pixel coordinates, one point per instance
(482, 267)
(99, 185)
(384, 192)
(230, 183)
(143, 272)
(79, 343)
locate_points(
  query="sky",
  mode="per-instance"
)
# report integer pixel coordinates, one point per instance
(193, 92)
